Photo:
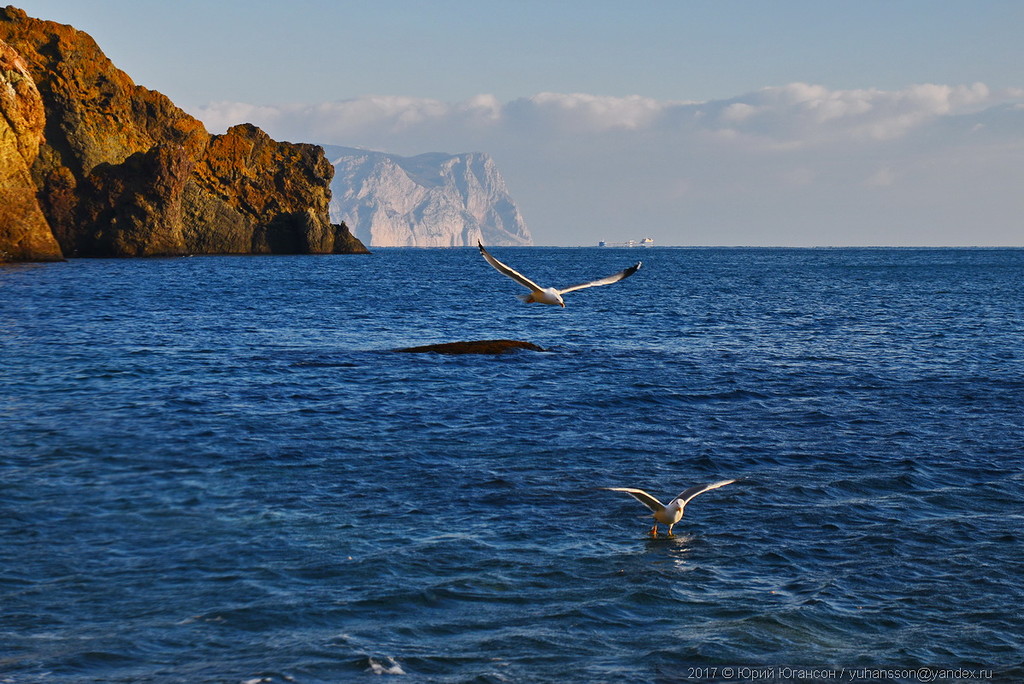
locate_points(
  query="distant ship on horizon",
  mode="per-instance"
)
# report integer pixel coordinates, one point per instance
(646, 242)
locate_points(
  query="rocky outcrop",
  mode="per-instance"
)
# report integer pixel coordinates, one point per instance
(430, 200)
(24, 232)
(289, 183)
(123, 172)
(474, 347)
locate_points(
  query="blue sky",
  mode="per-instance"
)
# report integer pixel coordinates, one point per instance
(727, 122)
(314, 50)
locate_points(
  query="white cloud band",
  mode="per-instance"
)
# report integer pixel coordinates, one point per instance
(795, 113)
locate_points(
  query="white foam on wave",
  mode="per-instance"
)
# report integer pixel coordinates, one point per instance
(389, 666)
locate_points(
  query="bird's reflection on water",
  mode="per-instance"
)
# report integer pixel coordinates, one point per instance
(676, 551)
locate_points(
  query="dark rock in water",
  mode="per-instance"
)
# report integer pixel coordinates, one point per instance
(474, 347)
(115, 169)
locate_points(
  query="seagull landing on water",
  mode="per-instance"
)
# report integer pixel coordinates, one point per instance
(673, 512)
(549, 295)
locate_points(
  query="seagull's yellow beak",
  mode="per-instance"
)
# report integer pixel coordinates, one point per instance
(563, 304)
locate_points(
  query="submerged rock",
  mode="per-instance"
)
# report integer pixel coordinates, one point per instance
(474, 347)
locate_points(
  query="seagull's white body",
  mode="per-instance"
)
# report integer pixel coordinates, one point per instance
(549, 295)
(671, 513)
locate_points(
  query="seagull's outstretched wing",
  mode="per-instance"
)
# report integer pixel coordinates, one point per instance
(688, 494)
(603, 281)
(510, 272)
(641, 496)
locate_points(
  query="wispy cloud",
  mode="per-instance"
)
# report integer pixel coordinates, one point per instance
(780, 156)
(797, 112)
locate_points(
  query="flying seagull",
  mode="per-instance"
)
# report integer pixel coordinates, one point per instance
(549, 295)
(671, 513)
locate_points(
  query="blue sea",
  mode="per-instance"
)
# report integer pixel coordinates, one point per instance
(215, 469)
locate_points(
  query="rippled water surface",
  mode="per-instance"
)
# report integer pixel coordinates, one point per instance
(215, 469)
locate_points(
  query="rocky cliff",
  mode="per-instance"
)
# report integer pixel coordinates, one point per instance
(430, 200)
(121, 171)
(24, 232)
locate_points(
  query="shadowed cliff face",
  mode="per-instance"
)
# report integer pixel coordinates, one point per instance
(123, 172)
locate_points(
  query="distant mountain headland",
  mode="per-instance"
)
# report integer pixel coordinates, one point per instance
(430, 200)
(92, 164)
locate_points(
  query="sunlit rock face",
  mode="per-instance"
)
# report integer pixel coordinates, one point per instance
(430, 200)
(24, 232)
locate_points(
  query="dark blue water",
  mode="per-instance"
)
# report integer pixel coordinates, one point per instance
(214, 469)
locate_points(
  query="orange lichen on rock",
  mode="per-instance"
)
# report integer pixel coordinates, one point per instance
(24, 232)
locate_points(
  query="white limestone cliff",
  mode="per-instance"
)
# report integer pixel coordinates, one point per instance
(430, 200)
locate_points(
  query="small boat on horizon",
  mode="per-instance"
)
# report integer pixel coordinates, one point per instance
(646, 242)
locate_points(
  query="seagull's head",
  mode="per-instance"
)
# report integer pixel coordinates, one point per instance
(548, 295)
